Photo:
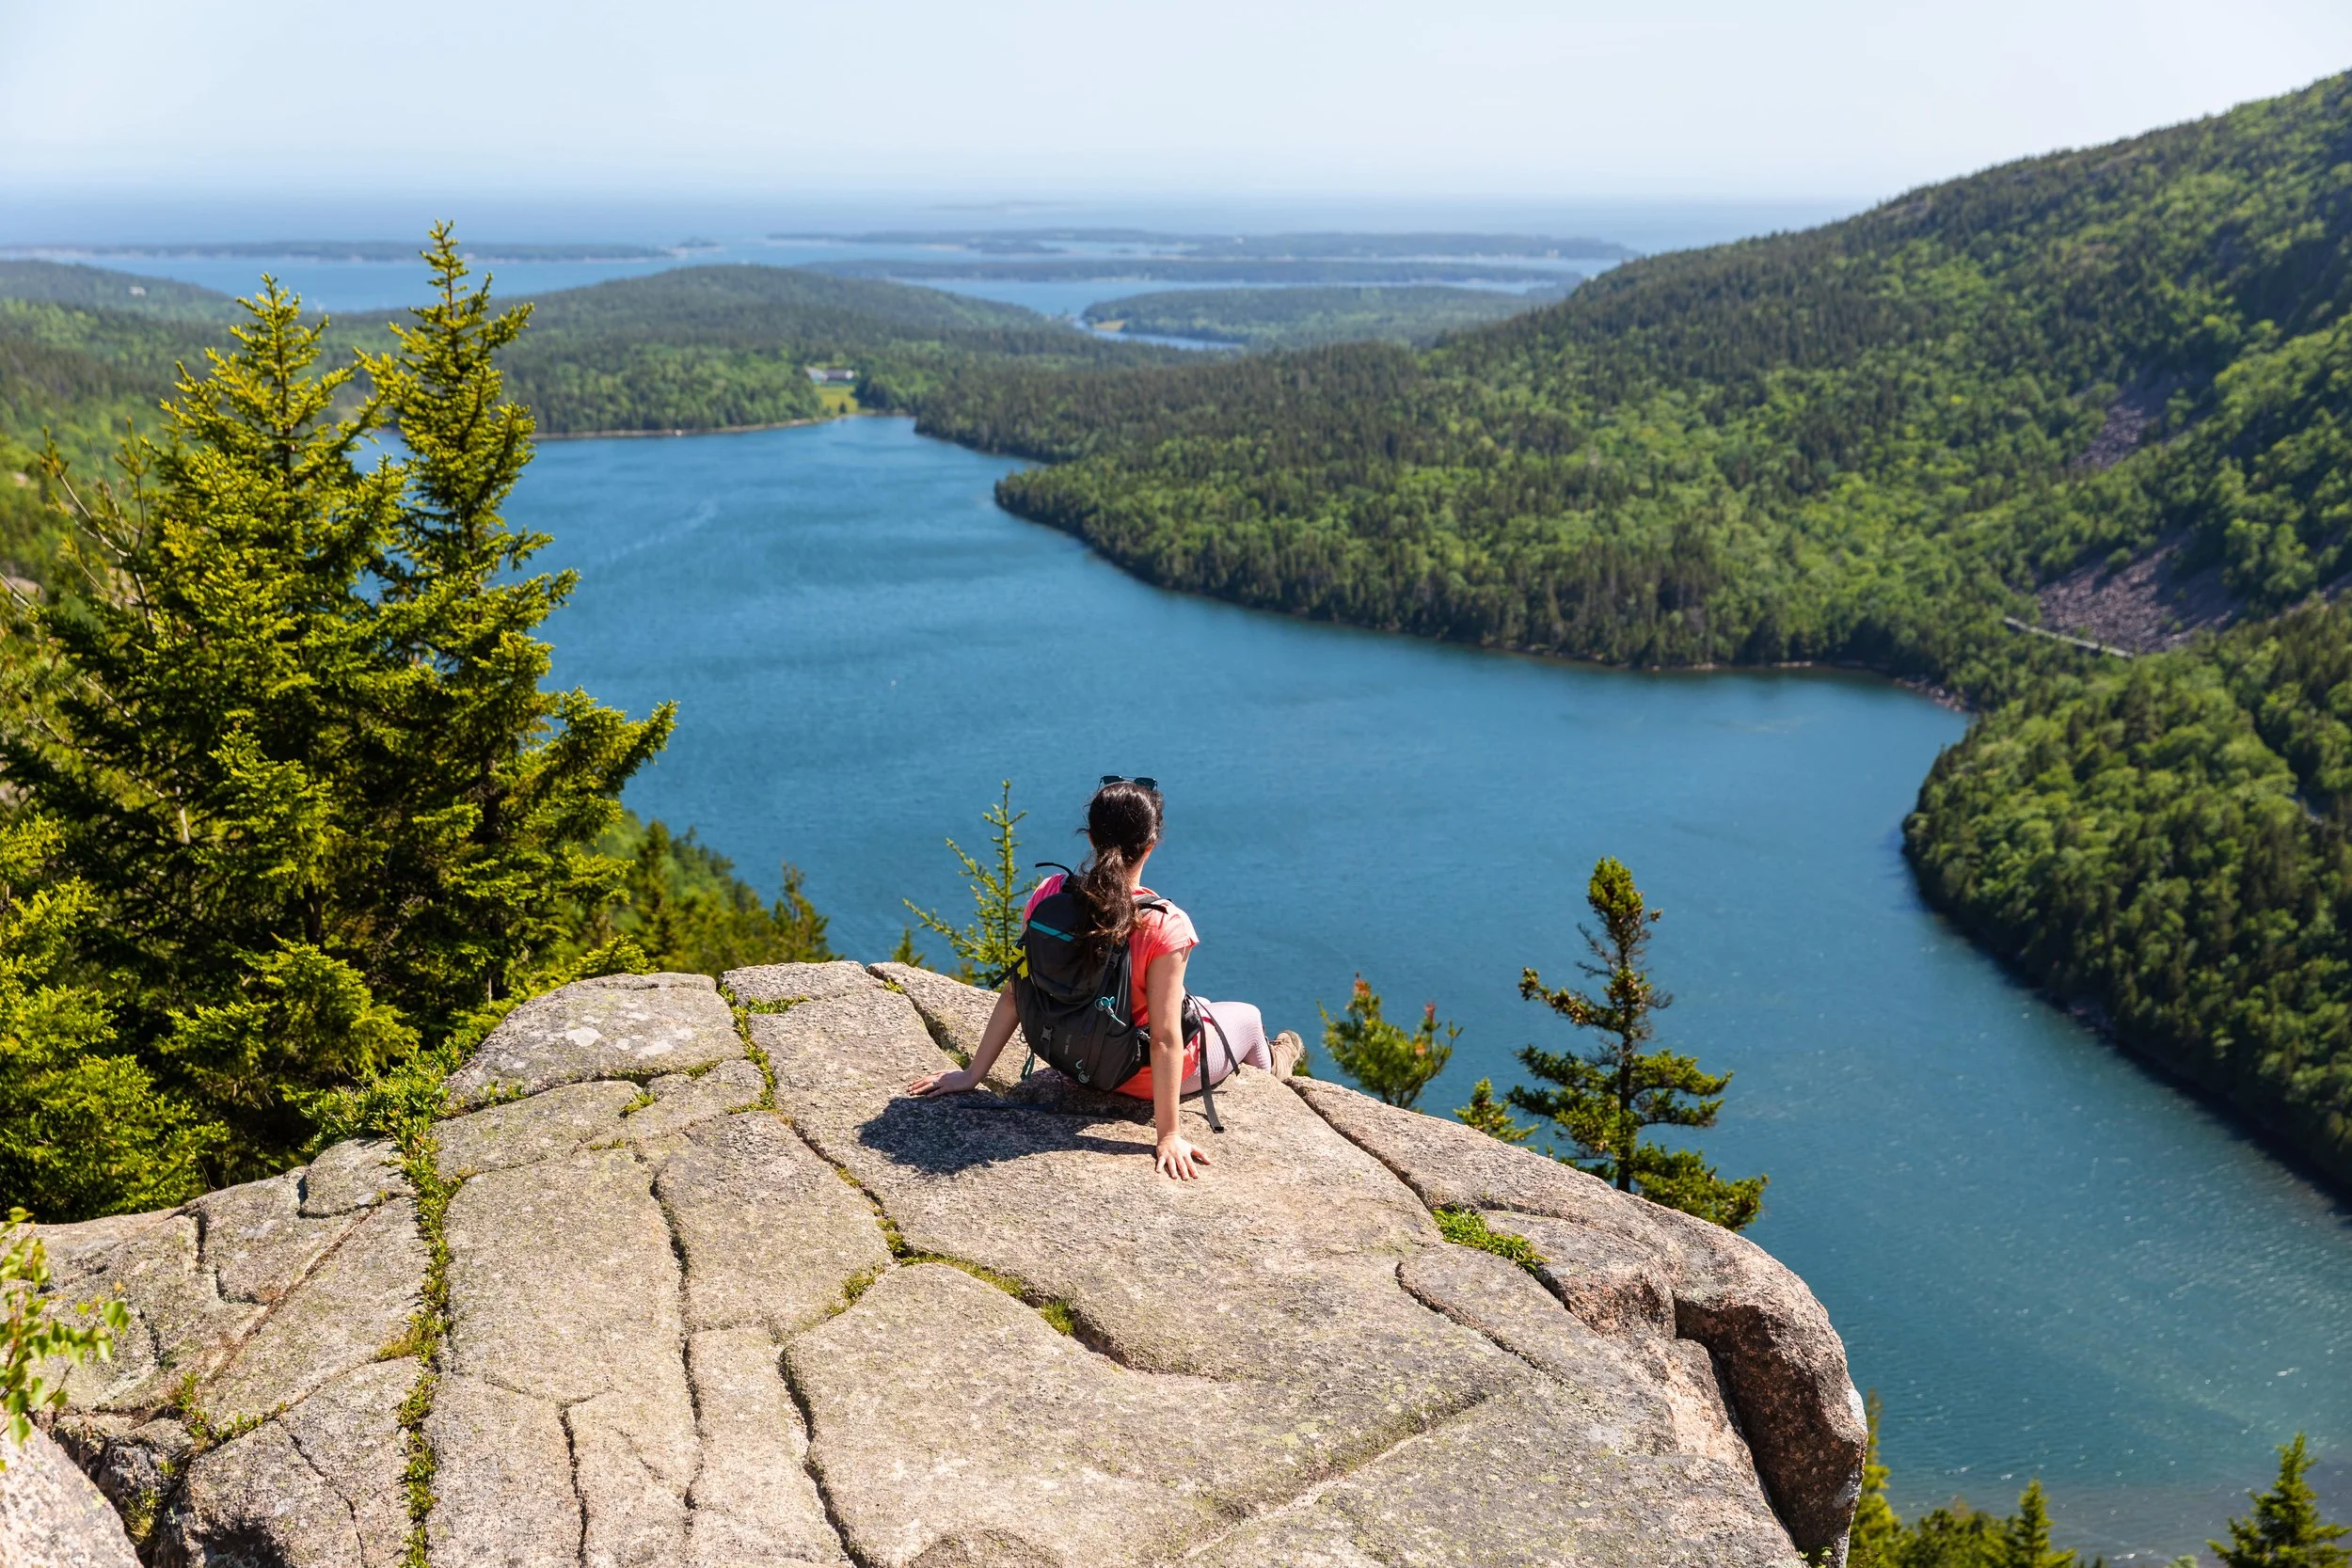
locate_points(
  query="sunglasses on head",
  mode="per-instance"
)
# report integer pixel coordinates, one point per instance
(1143, 781)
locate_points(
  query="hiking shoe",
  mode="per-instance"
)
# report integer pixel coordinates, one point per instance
(1288, 1050)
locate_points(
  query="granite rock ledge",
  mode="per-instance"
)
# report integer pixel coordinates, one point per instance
(720, 1295)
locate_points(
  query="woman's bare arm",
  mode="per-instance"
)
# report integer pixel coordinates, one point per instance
(1163, 992)
(1001, 1024)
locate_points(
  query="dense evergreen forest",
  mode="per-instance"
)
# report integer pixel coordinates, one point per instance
(1298, 318)
(1886, 442)
(2163, 842)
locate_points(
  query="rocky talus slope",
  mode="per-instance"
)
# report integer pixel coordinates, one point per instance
(719, 1295)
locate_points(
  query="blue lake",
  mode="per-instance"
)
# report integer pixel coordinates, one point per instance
(2046, 1262)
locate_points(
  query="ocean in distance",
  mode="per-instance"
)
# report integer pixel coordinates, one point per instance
(345, 286)
(2046, 1262)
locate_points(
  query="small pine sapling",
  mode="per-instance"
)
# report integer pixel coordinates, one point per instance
(1604, 1100)
(1383, 1058)
(1491, 1117)
(988, 951)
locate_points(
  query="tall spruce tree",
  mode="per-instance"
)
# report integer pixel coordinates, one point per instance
(1604, 1100)
(2286, 1530)
(498, 790)
(285, 707)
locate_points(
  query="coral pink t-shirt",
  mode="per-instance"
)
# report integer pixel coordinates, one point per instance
(1155, 932)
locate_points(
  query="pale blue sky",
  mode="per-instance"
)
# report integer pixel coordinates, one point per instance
(1358, 99)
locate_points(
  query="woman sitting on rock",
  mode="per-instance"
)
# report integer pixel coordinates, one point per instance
(1113, 908)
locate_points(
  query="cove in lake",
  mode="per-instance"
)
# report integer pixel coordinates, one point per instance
(2047, 1263)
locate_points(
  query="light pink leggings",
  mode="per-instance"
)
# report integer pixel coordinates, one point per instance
(1244, 1031)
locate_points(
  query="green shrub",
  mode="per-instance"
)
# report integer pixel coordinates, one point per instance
(1382, 1059)
(33, 1333)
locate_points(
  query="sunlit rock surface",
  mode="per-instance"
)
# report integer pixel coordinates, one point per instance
(719, 1295)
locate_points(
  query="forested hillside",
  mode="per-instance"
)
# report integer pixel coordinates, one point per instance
(697, 348)
(2163, 841)
(71, 283)
(708, 347)
(78, 367)
(1865, 441)
(1877, 442)
(80, 354)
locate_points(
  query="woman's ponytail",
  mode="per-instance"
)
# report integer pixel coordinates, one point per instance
(1123, 824)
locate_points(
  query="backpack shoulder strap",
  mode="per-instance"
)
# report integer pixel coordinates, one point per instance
(1197, 1012)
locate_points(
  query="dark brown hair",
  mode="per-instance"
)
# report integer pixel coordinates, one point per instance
(1122, 822)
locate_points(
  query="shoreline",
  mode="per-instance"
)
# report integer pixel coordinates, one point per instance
(1940, 696)
(707, 430)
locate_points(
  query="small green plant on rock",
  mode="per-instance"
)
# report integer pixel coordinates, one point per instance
(205, 1433)
(1469, 1227)
(1875, 1539)
(1386, 1061)
(34, 1334)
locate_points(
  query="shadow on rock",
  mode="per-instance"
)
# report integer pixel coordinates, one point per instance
(943, 1136)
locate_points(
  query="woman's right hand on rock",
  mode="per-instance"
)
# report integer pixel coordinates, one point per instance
(954, 1081)
(1178, 1158)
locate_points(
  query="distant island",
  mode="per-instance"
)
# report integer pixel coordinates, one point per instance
(356, 250)
(1320, 245)
(1300, 318)
(1194, 269)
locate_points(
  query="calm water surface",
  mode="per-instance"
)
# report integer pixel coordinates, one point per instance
(2044, 1261)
